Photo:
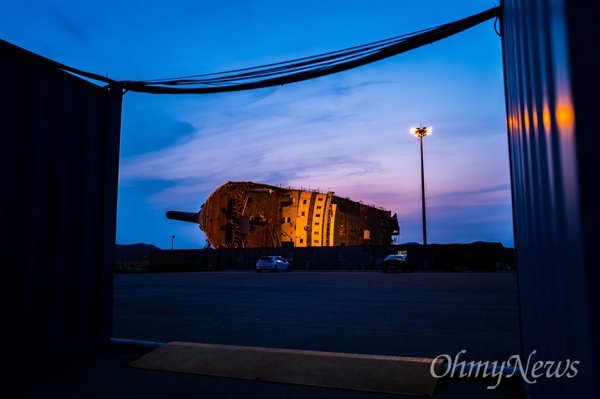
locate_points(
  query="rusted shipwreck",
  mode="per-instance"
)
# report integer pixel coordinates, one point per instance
(250, 215)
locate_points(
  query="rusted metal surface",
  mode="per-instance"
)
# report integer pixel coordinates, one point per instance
(251, 215)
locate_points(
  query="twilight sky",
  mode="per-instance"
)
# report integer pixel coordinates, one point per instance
(347, 132)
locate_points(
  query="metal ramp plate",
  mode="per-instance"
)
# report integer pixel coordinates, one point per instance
(375, 373)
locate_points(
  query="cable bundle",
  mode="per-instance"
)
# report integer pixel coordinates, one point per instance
(309, 67)
(285, 72)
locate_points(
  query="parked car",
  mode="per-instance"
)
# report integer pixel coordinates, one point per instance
(272, 263)
(395, 262)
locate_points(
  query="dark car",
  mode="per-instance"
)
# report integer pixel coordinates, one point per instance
(395, 262)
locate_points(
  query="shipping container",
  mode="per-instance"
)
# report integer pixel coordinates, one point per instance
(59, 158)
(551, 68)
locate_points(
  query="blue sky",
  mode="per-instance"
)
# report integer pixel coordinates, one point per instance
(347, 132)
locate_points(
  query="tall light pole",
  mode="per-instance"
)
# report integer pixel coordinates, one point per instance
(172, 240)
(421, 132)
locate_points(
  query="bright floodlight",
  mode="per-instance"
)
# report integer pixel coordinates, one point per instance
(421, 131)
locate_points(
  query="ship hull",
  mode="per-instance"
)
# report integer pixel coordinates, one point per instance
(249, 215)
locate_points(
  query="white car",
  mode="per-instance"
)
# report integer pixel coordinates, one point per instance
(272, 263)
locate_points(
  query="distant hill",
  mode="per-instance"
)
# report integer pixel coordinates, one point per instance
(135, 248)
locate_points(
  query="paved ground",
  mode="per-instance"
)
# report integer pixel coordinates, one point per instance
(414, 314)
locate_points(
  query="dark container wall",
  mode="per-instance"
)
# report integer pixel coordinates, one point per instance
(59, 157)
(551, 77)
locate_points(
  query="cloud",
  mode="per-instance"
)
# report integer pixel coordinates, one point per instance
(348, 134)
(484, 194)
(70, 27)
(290, 132)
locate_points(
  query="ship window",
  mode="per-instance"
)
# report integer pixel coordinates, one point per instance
(319, 206)
(304, 202)
(316, 241)
(301, 240)
(318, 215)
(302, 214)
(320, 199)
(289, 219)
(316, 233)
(316, 223)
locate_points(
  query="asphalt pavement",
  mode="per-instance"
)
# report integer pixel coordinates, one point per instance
(461, 316)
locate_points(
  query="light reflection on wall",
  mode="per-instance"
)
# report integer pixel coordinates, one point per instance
(547, 191)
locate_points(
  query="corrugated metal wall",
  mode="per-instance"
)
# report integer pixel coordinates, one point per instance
(478, 256)
(551, 62)
(301, 258)
(59, 158)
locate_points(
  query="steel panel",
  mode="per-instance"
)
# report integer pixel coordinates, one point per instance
(554, 187)
(59, 155)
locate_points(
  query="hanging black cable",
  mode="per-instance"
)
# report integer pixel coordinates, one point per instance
(306, 68)
(281, 73)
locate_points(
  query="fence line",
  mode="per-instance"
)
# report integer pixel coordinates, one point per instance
(475, 256)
